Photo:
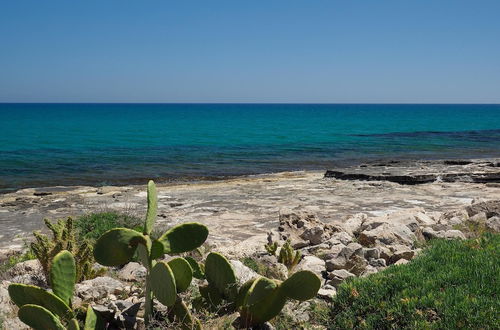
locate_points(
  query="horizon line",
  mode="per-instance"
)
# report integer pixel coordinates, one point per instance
(264, 103)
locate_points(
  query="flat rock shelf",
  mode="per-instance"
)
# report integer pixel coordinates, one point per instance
(246, 208)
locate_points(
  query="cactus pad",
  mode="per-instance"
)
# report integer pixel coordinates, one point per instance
(152, 208)
(73, 324)
(156, 249)
(63, 276)
(22, 294)
(92, 320)
(265, 309)
(260, 289)
(39, 318)
(302, 285)
(183, 273)
(220, 274)
(163, 283)
(117, 246)
(196, 267)
(184, 237)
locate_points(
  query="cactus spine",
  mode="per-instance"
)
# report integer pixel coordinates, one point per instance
(163, 280)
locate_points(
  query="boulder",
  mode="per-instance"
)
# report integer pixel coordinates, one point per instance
(371, 253)
(338, 276)
(242, 272)
(133, 271)
(388, 234)
(340, 238)
(491, 208)
(328, 292)
(453, 234)
(353, 224)
(303, 228)
(313, 264)
(429, 233)
(379, 263)
(400, 252)
(351, 249)
(401, 262)
(335, 263)
(315, 235)
(478, 218)
(26, 267)
(369, 270)
(333, 251)
(493, 224)
(98, 288)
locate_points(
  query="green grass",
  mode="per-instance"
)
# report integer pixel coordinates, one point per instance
(453, 285)
(91, 226)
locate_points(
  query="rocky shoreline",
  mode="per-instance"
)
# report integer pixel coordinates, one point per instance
(341, 227)
(246, 208)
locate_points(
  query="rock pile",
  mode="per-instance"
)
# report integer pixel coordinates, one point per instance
(364, 245)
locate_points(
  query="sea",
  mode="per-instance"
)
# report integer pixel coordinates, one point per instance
(117, 144)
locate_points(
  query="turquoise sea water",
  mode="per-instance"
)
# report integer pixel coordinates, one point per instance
(69, 144)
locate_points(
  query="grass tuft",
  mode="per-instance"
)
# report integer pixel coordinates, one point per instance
(92, 225)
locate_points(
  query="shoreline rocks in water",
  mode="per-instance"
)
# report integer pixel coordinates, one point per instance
(476, 171)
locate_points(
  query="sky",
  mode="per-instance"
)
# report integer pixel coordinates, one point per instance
(377, 51)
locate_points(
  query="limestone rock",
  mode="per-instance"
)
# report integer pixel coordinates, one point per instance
(378, 263)
(98, 288)
(371, 253)
(242, 272)
(478, 218)
(327, 293)
(453, 234)
(313, 264)
(388, 234)
(338, 276)
(333, 251)
(26, 267)
(401, 252)
(401, 262)
(314, 235)
(369, 270)
(133, 271)
(303, 228)
(353, 224)
(491, 208)
(493, 224)
(340, 238)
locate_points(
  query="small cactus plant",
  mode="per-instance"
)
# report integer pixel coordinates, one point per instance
(47, 310)
(164, 280)
(63, 238)
(288, 256)
(262, 298)
(222, 288)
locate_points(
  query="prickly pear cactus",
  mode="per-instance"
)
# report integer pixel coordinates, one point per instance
(163, 280)
(22, 294)
(63, 275)
(222, 284)
(39, 318)
(262, 299)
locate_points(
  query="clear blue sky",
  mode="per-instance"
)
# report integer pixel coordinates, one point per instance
(417, 51)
